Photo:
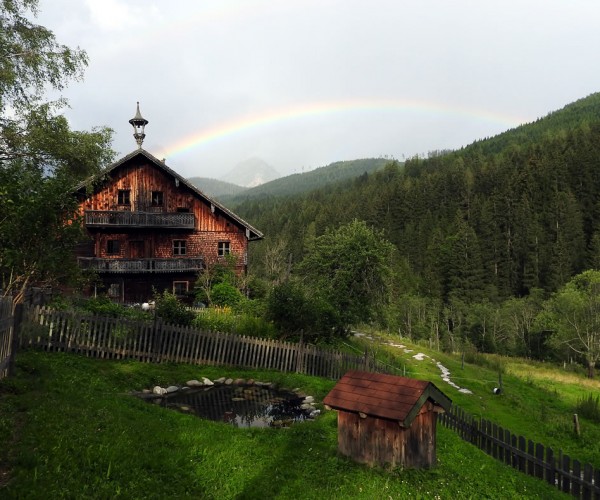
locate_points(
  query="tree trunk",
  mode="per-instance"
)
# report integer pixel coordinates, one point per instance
(590, 368)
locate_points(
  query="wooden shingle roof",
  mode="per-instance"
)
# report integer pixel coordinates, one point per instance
(384, 396)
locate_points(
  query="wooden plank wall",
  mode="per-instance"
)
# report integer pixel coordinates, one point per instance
(534, 459)
(6, 333)
(112, 338)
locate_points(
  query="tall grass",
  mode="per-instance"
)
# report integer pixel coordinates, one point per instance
(589, 407)
(227, 321)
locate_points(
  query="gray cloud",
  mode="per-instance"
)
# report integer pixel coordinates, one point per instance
(373, 78)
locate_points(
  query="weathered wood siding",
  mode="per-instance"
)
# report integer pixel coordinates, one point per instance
(382, 442)
(141, 179)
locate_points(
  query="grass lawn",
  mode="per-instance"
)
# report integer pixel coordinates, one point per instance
(70, 428)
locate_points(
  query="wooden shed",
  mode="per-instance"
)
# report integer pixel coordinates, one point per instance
(387, 420)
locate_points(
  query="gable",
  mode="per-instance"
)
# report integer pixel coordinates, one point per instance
(140, 172)
(384, 396)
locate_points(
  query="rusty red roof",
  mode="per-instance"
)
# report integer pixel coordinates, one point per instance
(384, 396)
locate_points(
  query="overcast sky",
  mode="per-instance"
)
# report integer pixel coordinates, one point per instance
(301, 84)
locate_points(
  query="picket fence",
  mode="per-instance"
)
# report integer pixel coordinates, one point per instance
(155, 341)
(6, 335)
(534, 459)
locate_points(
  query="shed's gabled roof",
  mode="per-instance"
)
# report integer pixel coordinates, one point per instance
(384, 396)
(253, 234)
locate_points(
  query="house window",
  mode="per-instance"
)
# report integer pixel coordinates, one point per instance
(183, 210)
(157, 198)
(180, 288)
(223, 248)
(179, 247)
(123, 197)
(113, 247)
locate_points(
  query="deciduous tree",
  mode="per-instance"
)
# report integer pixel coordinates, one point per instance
(573, 317)
(350, 268)
(41, 158)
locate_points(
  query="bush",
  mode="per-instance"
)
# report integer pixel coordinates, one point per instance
(103, 306)
(170, 310)
(225, 294)
(293, 310)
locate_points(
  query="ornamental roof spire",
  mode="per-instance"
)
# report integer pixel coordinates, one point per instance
(138, 123)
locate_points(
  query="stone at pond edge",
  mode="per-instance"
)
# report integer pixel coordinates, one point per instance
(159, 390)
(171, 389)
(207, 381)
(194, 383)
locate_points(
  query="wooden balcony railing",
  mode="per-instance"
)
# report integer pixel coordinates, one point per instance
(120, 266)
(114, 218)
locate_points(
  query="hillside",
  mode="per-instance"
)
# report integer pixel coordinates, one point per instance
(500, 224)
(304, 182)
(585, 110)
(216, 188)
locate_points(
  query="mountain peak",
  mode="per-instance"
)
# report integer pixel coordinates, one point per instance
(251, 173)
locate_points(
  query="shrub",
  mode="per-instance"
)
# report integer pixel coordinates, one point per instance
(292, 310)
(103, 306)
(225, 294)
(171, 310)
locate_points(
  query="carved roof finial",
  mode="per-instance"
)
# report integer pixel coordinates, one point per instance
(138, 123)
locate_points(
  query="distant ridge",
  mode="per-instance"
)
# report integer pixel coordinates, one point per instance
(215, 188)
(322, 176)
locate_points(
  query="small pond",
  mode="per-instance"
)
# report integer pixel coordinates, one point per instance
(240, 406)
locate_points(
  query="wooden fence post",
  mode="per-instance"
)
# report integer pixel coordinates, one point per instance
(16, 333)
(550, 467)
(300, 354)
(576, 427)
(157, 341)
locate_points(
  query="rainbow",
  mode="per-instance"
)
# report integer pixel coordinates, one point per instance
(296, 112)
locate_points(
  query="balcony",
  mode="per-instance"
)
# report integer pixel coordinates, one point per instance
(145, 266)
(119, 218)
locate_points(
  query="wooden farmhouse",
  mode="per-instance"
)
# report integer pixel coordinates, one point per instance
(387, 420)
(150, 228)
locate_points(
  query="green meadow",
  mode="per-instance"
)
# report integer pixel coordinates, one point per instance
(70, 428)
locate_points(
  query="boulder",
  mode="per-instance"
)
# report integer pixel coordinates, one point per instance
(207, 381)
(159, 390)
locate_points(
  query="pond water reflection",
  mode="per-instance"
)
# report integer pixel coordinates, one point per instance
(241, 406)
